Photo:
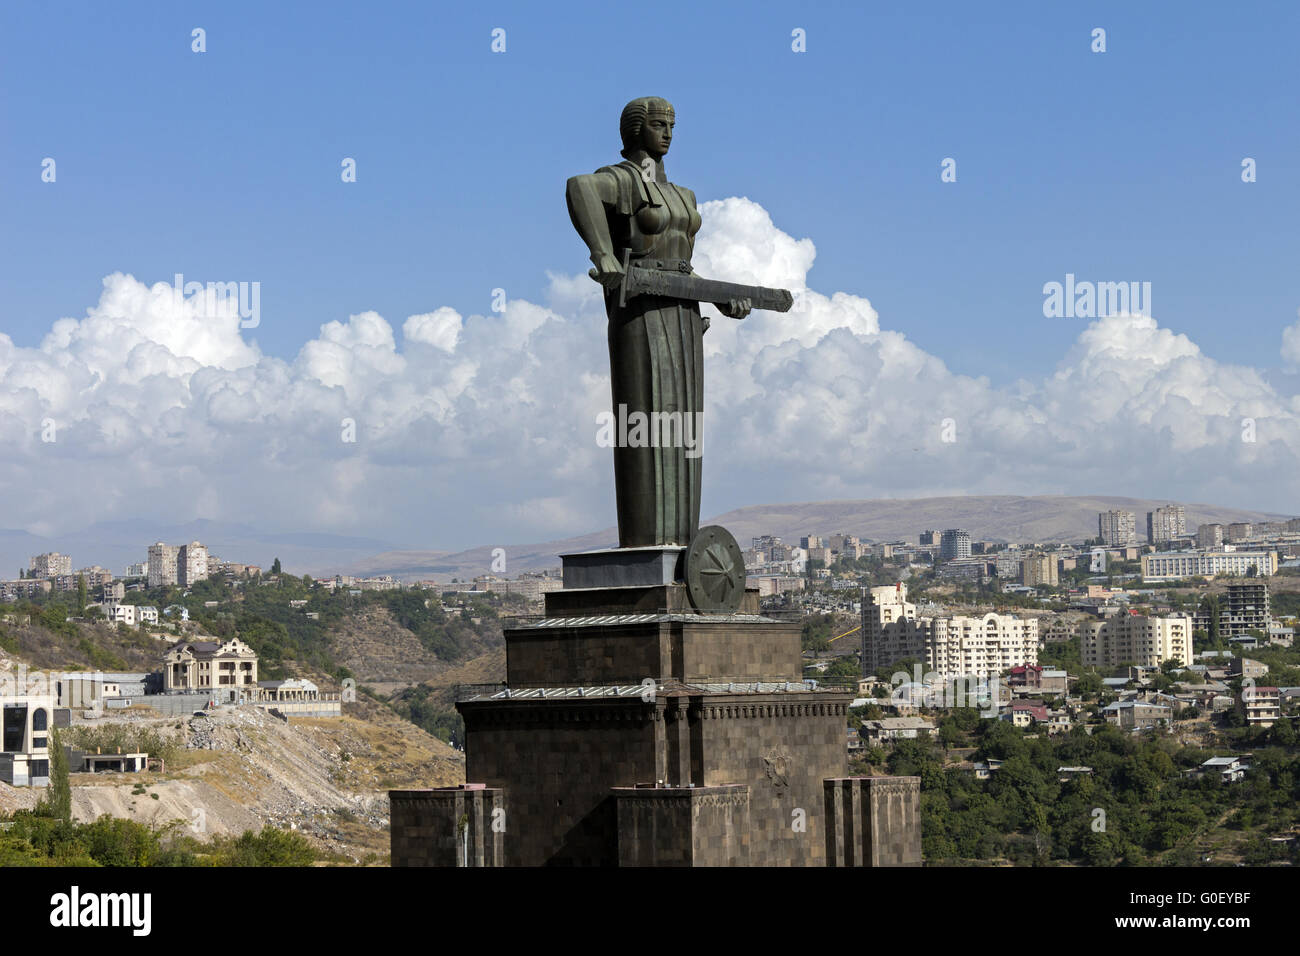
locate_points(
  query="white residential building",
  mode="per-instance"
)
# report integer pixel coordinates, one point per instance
(120, 613)
(1173, 565)
(1129, 639)
(1117, 529)
(1166, 524)
(191, 564)
(25, 723)
(954, 544)
(50, 565)
(163, 564)
(1007, 563)
(952, 647)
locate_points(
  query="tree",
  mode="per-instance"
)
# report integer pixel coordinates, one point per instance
(950, 734)
(1210, 604)
(817, 632)
(1099, 849)
(275, 566)
(843, 667)
(81, 593)
(1088, 684)
(58, 799)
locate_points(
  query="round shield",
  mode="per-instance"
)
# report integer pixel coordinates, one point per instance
(715, 570)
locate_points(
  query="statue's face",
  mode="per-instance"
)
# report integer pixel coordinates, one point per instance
(657, 134)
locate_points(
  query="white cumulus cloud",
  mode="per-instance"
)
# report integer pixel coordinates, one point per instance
(481, 429)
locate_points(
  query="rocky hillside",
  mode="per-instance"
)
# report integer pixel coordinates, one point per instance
(71, 646)
(381, 653)
(242, 768)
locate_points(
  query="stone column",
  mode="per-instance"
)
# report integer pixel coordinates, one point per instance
(683, 826)
(873, 821)
(447, 826)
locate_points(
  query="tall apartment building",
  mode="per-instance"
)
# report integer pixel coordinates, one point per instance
(1144, 641)
(50, 565)
(1209, 537)
(1117, 529)
(1007, 563)
(846, 545)
(1239, 531)
(810, 541)
(94, 577)
(822, 554)
(1244, 608)
(162, 564)
(929, 539)
(953, 544)
(888, 627)
(954, 646)
(192, 563)
(1172, 565)
(1038, 569)
(1166, 524)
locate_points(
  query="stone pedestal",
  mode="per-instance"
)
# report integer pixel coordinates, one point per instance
(560, 757)
(682, 826)
(623, 567)
(632, 599)
(630, 648)
(873, 821)
(637, 730)
(447, 826)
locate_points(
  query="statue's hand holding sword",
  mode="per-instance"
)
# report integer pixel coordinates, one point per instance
(732, 299)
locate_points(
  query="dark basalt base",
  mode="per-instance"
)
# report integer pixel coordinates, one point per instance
(623, 567)
(637, 731)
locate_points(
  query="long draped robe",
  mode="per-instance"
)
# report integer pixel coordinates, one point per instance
(656, 361)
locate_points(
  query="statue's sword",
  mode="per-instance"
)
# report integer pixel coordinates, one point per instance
(681, 285)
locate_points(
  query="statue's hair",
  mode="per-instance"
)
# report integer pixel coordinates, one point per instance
(634, 117)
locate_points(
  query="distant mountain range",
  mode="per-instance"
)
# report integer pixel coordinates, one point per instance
(1043, 518)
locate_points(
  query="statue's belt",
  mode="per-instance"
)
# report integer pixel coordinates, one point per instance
(672, 278)
(664, 265)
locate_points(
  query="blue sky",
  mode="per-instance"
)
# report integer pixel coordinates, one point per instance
(1122, 165)
(225, 166)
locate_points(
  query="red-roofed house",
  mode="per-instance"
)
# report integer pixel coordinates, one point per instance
(1026, 713)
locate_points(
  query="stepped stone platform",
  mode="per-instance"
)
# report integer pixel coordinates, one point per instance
(636, 730)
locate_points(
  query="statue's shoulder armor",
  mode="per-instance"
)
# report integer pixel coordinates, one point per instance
(632, 192)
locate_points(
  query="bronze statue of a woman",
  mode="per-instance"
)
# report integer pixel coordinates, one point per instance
(632, 218)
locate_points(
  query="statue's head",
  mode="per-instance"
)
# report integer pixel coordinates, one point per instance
(647, 123)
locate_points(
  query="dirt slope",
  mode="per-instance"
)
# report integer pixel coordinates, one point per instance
(243, 768)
